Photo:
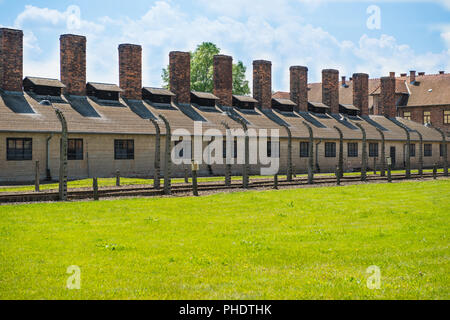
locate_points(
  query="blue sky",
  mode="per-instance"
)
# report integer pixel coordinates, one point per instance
(316, 33)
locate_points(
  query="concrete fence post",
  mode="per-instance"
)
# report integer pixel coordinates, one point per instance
(227, 155)
(95, 188)
(435, 171)
(420, 154)
(310, 154)
(194, 169)
(36, 177)
(289, 159)
(157, 163)
(383, 153)
(275, 181)
(118, 178)
(375, 165)
(246, 169)
(341, 152)
(167, 157)
(364, 153)
(62, 156)
(338, 175)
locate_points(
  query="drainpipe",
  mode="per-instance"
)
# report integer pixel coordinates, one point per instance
(47, 162)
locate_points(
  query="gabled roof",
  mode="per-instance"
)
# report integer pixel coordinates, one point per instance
(245, 98)
(349, 107)
(318, 105)
(45, 82)
(104, 87)
(159, 91)
(286, 102)
(429, 90)
(204, 95)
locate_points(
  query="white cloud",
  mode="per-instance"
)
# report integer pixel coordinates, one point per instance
(259, 33)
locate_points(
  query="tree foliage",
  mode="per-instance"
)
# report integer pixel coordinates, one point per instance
(202, 71)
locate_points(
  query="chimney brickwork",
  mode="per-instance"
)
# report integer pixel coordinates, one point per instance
(223, 79)
(180, 76)
(412, 76)
(330, 89)
(73, 63)
(361, 92)
(387, 97)
(130, 71)
(11, 59)
(299, 87)
(262, 83)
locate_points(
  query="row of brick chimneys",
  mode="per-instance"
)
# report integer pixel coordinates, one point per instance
(73, 75)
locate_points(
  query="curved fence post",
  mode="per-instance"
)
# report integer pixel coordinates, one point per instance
(364, 152)
(310, 154)
(407, 149)
(227, 164)
(289, 166)
(167, 157)
(157, 164)
(420, 153)
(245, 171)
(62, 156)
(383, 153)
(341, 153)
(444, 149)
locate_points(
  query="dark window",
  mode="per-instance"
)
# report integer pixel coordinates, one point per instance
(352, 149)
(330, 149)
(412, 150)
(441, 150)
(75, 149)
(427, 150)
(304, 149)
(373, 150)
(234, 155)
(19, 149)
(269, 149)
(123, 149)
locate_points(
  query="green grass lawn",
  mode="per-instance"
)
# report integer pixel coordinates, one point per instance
(110, 182)
(290, 244)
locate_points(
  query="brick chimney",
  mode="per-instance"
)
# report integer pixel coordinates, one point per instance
(343, 81)
(262, 83)
(130, 71)
(223, 79)
(11, 59)
(330, 89)
(180, 76)
(441, 72)
(412, 76)
(387, 97)
(299, 87)
(361, 92)
(421, 74)
(73, 63)
(392, 74)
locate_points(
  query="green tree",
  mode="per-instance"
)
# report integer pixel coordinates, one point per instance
(202, 71)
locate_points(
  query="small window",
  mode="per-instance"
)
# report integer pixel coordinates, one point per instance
(19, 149)
(234, 155)
(304, 149)
(412, 150)
(441, 150)
(447, 117)
(427, 150)
(123, 149)
(352, 149)
(330, 149)
(75, 149)
(269, 149)
(373, 150)
(407, 115)
(426, 117)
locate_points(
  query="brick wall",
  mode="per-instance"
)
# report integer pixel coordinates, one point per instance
(73, 63)
(11, 59)
(130, 71)
(299, 87)
(437, 115)
(262, 83)
(180, 76)
(330, 89)
(387, 97)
